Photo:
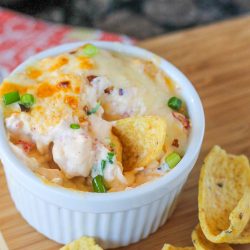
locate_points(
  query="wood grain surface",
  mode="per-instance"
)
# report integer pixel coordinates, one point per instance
(216, 59)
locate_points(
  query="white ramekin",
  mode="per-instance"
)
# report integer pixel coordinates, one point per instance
(114, 219)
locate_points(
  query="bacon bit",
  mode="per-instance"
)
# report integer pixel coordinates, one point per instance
(183, 119)
(72, 52)
(27, 146)
(121, 91)
(86, 109)
(112, 147)
(71, 101)
(91, 78)
(64, 84)
(24, 108)
(175, 143)
(109, 90)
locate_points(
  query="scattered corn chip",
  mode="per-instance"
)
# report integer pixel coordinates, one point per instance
(84, 243)
(224, 197)
(142, 139)
(201, 243)
(170, 247)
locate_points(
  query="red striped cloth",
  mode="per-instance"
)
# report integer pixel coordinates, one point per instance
(22, 36)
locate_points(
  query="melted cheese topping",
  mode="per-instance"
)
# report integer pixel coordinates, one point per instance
(92, 92)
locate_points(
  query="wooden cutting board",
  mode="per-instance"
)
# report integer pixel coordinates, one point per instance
(216, 59)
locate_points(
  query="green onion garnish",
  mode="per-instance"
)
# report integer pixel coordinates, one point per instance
(94, 110)
(110, 157)
(172, 159)
(27, 100)
(98, 184)
(103, 165)
(175, 103)
(11, 97)
(89, 50)
(74, 126)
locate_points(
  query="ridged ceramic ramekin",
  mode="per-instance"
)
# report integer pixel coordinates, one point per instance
(114, 219)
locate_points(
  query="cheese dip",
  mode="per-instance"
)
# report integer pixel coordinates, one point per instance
(60, 112)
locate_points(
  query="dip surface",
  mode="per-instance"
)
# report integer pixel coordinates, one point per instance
(60, 113)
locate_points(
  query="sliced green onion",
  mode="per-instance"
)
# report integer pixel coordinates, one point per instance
(94, 110)
(98, 184)
(89, 50)
(11, 97)
(74, 126)
(175, 103)
(103, 165)
(27, 100)
(110, 157)
(172, 159)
